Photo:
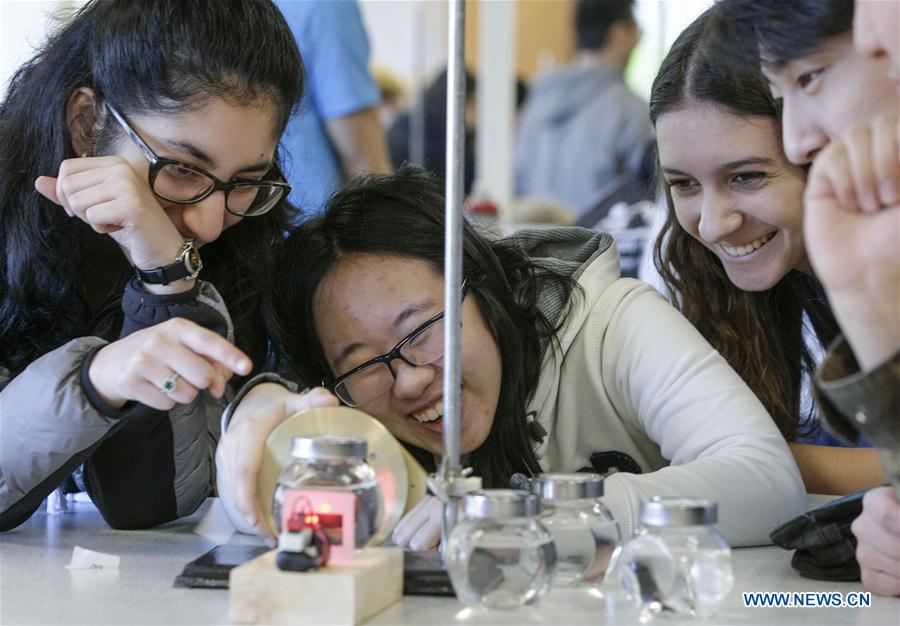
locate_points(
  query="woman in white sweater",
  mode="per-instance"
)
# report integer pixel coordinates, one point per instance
(565, 366)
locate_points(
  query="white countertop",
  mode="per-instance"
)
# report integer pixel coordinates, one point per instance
(35, 587)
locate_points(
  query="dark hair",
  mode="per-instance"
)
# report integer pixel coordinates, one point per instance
(159, 56)
(760, 334)
(402, 214)
(779, 30)
(593, 19)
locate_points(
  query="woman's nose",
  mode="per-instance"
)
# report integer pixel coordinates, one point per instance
(206, 219)
(718, 218)
(802, 137)
(410, 381)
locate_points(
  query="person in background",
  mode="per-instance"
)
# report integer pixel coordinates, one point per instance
(582, 130)
(140, 138)
(731, 250)
(853, 235)
(337, 134)
(435, 149)
(837, 75)
(565, 366)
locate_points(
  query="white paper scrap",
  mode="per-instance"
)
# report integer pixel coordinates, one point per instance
(82, 558)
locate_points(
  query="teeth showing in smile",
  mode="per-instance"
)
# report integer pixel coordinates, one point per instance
(747, 249)
(430, 414)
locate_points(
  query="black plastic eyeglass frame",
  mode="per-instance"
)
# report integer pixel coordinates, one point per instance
(393, 354)
(157, 163)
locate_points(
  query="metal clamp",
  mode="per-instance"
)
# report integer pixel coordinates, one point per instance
(450, 486)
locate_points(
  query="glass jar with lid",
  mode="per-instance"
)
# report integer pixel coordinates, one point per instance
(583, 530)
(677, 563)
(499, 555)
(329, 476)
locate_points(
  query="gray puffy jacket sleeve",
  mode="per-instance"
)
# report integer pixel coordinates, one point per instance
(142, 467)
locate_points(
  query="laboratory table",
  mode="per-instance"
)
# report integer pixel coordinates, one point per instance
(37, 588)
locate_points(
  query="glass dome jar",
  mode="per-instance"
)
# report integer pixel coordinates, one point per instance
(583, 530)
(677, 563)
(325, 469)
(499, 555)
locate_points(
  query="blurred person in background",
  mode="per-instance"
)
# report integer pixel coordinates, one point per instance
(582, 130)
(435, 153)
(337, 134)
(400, 137)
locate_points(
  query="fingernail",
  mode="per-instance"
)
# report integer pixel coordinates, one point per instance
(242, 365)
(890, 192)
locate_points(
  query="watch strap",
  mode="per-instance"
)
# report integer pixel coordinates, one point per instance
(186, 267)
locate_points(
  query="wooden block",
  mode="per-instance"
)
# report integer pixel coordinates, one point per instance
(345, 593)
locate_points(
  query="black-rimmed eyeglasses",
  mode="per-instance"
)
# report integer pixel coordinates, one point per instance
(372, 379)
(183, 183)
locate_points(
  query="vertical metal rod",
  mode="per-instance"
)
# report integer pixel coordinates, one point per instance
(453, 247)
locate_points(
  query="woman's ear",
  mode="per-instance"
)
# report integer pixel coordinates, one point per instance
(81, 119)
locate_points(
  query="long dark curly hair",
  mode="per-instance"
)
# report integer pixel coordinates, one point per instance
(401, 214)
(760, 334)
(146, 57)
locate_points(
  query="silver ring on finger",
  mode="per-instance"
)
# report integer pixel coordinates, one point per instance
(169, 384)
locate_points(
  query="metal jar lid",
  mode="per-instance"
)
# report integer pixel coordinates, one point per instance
(334, 447)
(501, 503)
(678, 512)
(567, 486)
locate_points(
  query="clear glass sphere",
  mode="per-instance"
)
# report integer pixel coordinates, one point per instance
(500, 563)
(678, 570)
(585, 535)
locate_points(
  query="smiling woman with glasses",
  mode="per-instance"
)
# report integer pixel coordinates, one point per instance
(375, 377)
(564, 366)
(141, 137)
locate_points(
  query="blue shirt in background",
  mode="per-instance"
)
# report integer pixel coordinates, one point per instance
(335, 50)
(821, 437)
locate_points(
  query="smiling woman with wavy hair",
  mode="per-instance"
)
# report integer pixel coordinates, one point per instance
(731, 251)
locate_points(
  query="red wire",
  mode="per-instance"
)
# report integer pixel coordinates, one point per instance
(316, 528)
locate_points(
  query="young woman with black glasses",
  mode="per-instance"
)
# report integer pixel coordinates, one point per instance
(565, 366)
(140, 200)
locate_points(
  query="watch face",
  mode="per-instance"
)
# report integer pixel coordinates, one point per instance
(193, 260)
